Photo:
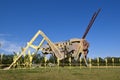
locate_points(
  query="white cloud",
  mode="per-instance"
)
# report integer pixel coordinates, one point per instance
(9, 47)
(3, 35)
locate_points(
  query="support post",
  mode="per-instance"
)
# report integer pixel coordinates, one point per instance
(98, 60)
(58, 63)
(113, 62)
(106, 62)
(70, 62)
(1, 58)
(90, 62)
(45, 59)
(80, 62)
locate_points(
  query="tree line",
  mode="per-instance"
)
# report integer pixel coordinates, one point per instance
(7, 59)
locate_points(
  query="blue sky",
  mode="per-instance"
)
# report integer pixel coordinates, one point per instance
(61, 20)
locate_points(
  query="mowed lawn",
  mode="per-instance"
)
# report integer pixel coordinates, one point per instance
(63, 73)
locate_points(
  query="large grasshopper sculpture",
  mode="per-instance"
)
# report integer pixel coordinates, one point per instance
(72, 48)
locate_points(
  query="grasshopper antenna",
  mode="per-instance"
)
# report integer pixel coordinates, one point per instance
(90, 23)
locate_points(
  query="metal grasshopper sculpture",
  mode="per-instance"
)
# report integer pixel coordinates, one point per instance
(71, 48)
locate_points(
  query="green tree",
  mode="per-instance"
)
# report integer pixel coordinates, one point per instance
(7, 59)
(38, 58)
(52, 59)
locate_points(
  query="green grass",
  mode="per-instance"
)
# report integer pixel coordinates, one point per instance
(64, 73)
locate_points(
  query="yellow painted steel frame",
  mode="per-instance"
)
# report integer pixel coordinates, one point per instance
(30, 44)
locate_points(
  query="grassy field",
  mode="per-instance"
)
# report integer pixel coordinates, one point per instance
(64, 73)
